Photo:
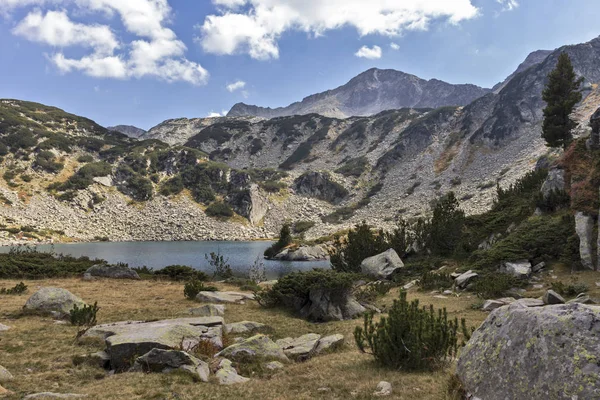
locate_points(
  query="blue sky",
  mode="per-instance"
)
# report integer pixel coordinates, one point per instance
(140, 62)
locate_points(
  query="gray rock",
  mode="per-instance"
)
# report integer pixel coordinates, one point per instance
(463, 280)
(224, 297)
(551, 297)
(528, 302)
(50, 395)
(383, 265)
(208, 310)
(554, 182)
(157, 360)
(518, 269)
(104, 180)
(491, 305)
(538, 267)
(329, 343)
(127, 340)
(507, 357)
(324, 306)
(4, 328)
(383, 389)
(53, 301)
(582, 299)
(112, 271)
(274, 365)
(320, 185)
(255, 347)
(5, 376)
(250, 203)
(410, 285)
(304, 253)
(227, 375)
(584, 226)
(301, 348)
(246, 327)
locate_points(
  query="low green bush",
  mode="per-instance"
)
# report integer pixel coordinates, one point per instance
(219, 210)
(410, 338)
(19, 288)
(84, 316)
(193, 287)
(435, 281)
(374, 290)
(181, 273)
(495, 285)
(302, 226)
(569, 290)
(28, 263)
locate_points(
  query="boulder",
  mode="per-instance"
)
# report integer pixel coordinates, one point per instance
(50, 395)
(551, 297)
(299, 349)
(584, 226)
(208, 310)
(54, 301)
(383, 389)
(491, 305)
(5, 376)
(112, 271)
(463, 280)
(328, 343)
(127, 340)
(383, 265)
(554, 182)
(227, 375)
(304, 253)
(325, 306)
(256, 347)
(246, 327)
(534, 353)
(104, 180)
(518, 269)
(157, 360)
(224, 297)
(320, 185)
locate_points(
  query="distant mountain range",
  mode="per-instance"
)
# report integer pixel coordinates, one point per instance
(370, 93)
(129, 130)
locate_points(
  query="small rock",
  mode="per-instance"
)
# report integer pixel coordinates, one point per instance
(551, 297)
(329, 343)
(538, 286)
(5, 376)
(582, 298)
(447, 292)
(208, 310)
(490, 305)
(4, 328)
(227, 375)
(463, 280)
(258, 347)
(527, 302)
(518, 269)
(274, 365)
(112, 271)
(383, 389)
(538, 267)
(409, 285)
(324, 389)
(246, 327)
(439, 296)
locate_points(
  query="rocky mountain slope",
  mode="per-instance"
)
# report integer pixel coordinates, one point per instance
(242, 177)
(370, 93)
(129, 130)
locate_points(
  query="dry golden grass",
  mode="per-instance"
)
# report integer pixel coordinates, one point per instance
(39, 352)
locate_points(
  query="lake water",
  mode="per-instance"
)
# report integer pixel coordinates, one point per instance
(157, 255)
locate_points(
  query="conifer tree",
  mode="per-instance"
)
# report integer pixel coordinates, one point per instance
(561, 95)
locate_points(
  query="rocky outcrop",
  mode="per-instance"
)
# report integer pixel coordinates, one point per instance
(223, 297)
(129, 130)
(250, 203)
(584, 226)
(320, 185)
(508, 356)
(258, 347)
(165, 361)
(518, 269)
(127, 340)
(112, 271)
(382, 266)
(304, 253)
(555, 182)
(54, 301)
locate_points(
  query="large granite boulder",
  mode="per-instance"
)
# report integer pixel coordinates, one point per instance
(383, 265)
(125, 341)
(535, 354)
(323, 306)
(258, 347)
(320, 185)
(165, 361)
(112, 271)
(224, 297)
(52, 301)
(305, 253)
(584, 226)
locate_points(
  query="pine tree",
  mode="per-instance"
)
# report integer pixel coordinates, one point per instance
(561, 95)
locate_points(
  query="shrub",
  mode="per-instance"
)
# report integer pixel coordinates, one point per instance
(339, 215)
(86, 158)
(302, 226)
(256, 273)
(19, 288)
(372, 291)
(410, 338)
(220, 265)
(172, 186)
(554, 201)
(84, 316)
(355, 167)
(26, 178)
(28, 263)
(193, 287)
(181, 273)
(272, 186)
(435, 281)
(285, 239)
(494, 285)
(569, 290)
(219, 210)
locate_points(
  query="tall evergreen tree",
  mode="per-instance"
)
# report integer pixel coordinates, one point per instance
(561, 95)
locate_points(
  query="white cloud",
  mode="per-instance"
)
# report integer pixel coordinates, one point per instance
(508, 5)
(155, 52)
(395, 46)
(232, 87)
(372, 53)
(255, 26)
(213, 114)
